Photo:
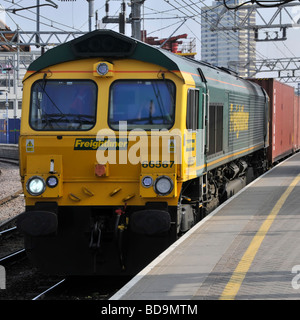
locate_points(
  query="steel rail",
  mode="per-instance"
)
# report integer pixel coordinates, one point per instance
(41, 295)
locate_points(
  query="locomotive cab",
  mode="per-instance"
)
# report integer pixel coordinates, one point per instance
(101, 156)
(124, 147)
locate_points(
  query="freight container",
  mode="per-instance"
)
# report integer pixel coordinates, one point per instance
(282, 122)
(296, 122)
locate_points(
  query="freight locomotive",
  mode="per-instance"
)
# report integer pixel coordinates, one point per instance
(124, 147)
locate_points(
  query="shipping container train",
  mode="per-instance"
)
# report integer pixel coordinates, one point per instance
(124, 147)
(284, 119)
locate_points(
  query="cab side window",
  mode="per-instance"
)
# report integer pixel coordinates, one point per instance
(215, 128)
(192, 112)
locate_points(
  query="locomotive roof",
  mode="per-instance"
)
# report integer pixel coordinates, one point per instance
(103, 44)
(110, 44)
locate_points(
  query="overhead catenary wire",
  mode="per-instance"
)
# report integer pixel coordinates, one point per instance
(231, 35)
(261, 3)
(274, 4)
(191, 4)
(50, 24)
(189, 9)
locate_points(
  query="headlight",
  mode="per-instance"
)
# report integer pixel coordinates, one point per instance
(52, 182)
(163, 185)
(36, 185)
(147, 181)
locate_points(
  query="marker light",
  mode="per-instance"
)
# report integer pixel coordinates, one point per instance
(163, 185)
(102, 69)
(147, 181)
(52, 182)
(36, 185)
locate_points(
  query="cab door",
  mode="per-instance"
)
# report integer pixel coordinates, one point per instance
(195, 134)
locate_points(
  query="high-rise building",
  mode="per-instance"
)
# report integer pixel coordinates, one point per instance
(230, 49)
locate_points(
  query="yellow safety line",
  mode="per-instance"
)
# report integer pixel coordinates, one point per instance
(241, 270)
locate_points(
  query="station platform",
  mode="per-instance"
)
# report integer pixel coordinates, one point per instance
(248, 248)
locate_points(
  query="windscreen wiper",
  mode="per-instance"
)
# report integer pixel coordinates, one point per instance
(43, 87)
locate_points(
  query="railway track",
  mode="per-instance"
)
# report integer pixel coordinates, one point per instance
(11, 197)
(26, 283)
(7, 231)
(50, 291)
(10, 161)
(13, 257)
(8, 224)
(23, 281)
(11, 241)
(82, 288)
(11, 202)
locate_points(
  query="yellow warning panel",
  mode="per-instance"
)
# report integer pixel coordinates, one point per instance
(29, 145)
(172, 146)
